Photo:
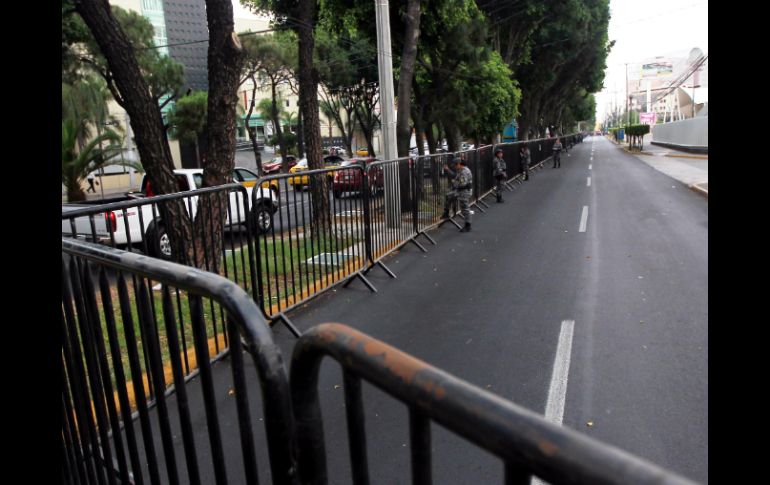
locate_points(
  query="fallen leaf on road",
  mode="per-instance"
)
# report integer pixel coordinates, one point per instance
(337, 386)
(590, 424)
(231, 392)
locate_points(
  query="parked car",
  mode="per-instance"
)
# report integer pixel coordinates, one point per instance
(362, 152)
(330, 161)
(274, 165)
(350, 180)
(157, 239)
(247, 178)
(335, 150)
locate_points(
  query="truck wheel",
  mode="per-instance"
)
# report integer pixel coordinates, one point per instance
(263, 218)
(158, 242)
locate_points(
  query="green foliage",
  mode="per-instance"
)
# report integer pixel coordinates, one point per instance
(73, 33)
(289, 139)
(637, 130)
(164, 76)
(189, 117)
(77, 163)
(494, 96)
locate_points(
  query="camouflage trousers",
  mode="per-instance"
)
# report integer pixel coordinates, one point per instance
(463, 200)
(499, 179)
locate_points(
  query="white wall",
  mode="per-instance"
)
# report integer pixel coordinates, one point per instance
(693, 132)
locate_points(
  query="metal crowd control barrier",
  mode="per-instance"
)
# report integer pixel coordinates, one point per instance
(319, 238)
(128, 347)
(138, 224)
(527, 443)
(330, 226)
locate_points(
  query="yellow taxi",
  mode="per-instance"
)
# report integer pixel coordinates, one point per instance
(330, 161)
(247, 178)
(362, 152)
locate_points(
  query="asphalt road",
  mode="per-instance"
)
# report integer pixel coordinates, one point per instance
(488, 307)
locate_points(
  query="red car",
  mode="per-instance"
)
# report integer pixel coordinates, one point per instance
(350, 180)
(274, 165)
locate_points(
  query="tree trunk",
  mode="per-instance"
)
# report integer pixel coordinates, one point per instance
(452, 137)
(430, 137)
(300, 137)
(253, 134)
(274, 115)
(408, 57)
(145, 116)
(308, 103)
(418, 131)
(225, 55)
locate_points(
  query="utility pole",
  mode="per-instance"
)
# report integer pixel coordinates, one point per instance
(390, 152)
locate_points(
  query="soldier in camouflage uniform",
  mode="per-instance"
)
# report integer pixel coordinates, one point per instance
(462, 189)
(525, 159)
(498, 172)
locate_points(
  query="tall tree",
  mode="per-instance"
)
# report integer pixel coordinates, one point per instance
(189, 119)
(301, 16)
(84, 107)
(567, 52)
(164, 75)
(406, 76)
(141, 103)
(273, 62)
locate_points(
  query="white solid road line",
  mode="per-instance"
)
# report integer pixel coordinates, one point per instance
(583, 219)
(588, 183)
(557, 392)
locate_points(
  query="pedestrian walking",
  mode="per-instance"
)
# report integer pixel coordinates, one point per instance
(90, 177)
(557, 146)
(498, 172)
(462, 189)
(525, 158)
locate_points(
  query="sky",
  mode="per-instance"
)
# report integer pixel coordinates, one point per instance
(648, 29)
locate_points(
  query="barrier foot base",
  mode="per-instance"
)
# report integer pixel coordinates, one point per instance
(477, 206)
(422, 248)
(363, 278)
(452, 221)
(428, 237)
(381, 265)
(287, 323)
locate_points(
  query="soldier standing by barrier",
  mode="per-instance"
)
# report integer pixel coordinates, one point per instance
(524, 156)
(498, 171)
(557, 153)
(462, 189)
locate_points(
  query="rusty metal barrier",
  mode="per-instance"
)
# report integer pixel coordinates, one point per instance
(129, 348)
(318, 240)
(526, 443)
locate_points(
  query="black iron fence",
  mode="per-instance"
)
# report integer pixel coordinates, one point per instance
(133, 330)
(327, 227)
(131, 414)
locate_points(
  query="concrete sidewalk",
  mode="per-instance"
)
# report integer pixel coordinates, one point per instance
(688, 168)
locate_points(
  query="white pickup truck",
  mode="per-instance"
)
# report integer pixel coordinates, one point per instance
(112, 226)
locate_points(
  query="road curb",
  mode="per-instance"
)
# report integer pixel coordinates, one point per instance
(700, 190)
(696, 157)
